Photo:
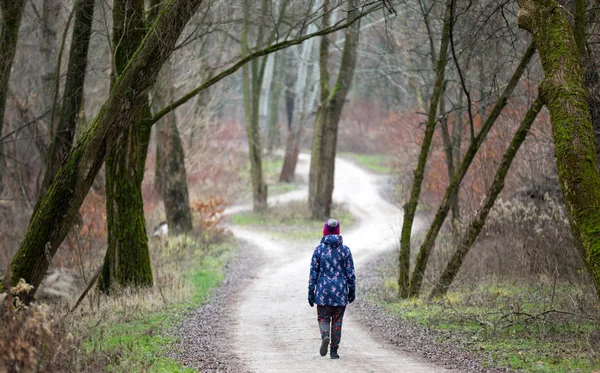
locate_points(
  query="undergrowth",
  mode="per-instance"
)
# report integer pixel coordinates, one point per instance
(136, 336)
(521, 324)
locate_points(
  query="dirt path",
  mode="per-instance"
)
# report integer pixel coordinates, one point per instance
(275, 329)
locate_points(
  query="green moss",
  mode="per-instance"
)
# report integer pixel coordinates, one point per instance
(564, 93)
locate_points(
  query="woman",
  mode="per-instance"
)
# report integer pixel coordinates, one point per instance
(331, 285)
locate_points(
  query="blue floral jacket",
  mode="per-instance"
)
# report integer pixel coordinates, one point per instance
(332, 272)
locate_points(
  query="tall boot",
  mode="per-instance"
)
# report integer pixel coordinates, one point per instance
(334, 354)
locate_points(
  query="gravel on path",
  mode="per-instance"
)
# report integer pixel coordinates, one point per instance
(206, 334)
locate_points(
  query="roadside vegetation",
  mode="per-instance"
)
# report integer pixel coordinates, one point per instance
(130, 329)
(523, 324)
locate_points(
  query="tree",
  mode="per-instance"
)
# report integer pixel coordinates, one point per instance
(332, 99)
(73, 91)
(453, 188)
(301, 105)
(171, 176)
(563, 92)
(252, 84)
(476, 225)
(127, 258)
(9, 32)
(410, 207)
(52, 217)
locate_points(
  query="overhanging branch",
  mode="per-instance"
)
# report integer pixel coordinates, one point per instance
(263, 52)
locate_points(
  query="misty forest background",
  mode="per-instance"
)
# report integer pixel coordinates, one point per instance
(119, 115)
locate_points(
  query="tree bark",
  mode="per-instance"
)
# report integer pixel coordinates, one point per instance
(273, 133)
(171, 176)
(51, 219)
(299, 106)
(442, 212)
(563, 92)
(447, 139)
(252, 83)
(475, 227)
(51, 10)
(9, 32)
(322, 167)
(73, 92)
(410, 207)
(588, 45)
(127, 258)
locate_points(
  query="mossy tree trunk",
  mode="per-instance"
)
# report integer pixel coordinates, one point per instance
(588, 43)
(410, 207)
(324, 146)
(52, 217)
(127, 258)
(9, 31)
(563, 92)
(454, 186)
(476, 225)
(73, 91)
(171, 176)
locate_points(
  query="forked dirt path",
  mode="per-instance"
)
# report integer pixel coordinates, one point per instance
(275, 328)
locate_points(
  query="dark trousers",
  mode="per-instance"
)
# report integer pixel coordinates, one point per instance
(330, 318)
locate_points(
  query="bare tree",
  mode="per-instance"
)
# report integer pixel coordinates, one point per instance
(476, 225)
(11, 20)
(73, 91)
(410, 207)
(332, 99)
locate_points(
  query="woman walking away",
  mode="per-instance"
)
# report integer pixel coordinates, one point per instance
(332, 274)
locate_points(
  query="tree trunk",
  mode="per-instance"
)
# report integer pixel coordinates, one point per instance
(252, 86)
(127, 259)
(302, 103)
(51, 10)
(170, 160)
(410, 207)
(273, 133)
(563, 92)
(442, 212)
(51, 219)
(449, 155)
(478, 222)
(588, 45)
(73, 92)
(322, 168)
(9, 32)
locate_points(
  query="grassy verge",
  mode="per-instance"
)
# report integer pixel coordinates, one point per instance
(137, 332)
(271, 169)
(518, 325)
(292, 221)
(374, 162)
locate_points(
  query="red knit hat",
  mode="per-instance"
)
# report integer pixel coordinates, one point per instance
(331, 226)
